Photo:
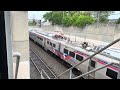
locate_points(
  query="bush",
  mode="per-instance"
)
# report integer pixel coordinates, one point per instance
(65, 21)
(69, 19)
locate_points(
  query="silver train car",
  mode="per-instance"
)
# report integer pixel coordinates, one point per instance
(73, 54)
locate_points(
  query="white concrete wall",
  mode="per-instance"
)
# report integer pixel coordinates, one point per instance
(19, 27)
(104, 34)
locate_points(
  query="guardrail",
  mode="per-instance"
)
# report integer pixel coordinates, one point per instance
(87, 73)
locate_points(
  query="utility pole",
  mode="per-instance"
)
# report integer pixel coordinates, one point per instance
(63, 17)
(98, 18)
(63, 14)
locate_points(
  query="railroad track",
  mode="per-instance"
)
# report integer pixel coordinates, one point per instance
(42, 68)
(57, 66)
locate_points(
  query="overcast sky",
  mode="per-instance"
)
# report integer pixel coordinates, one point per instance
(39, 14)
(36, 14)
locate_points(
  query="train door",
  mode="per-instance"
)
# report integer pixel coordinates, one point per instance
(71, 54)
(6, 69)
(45, 44)
(59, 47)
(92, 65)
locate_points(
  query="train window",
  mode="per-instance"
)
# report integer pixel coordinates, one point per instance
(72, 54)
(47, 42)
(98, 48)
(78, 57)
(93, 63)
(94, 48)
(66, 51)
(50, 44)
(54, 45)
(112, 74)
(108, 53)
(38, 37)
(41, 39)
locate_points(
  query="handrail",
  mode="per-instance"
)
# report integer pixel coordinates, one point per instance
(18, 55)
(87, 73)
(91, 56)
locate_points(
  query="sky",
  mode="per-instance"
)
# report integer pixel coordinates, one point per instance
(39, 15)
(36, 14)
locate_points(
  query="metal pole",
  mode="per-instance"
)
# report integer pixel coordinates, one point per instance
(9, 48)
(63, 18)
(98, 17)
(92, 71)
(75, 37)
(18, 55)
(89, 67)
(91, 56)
(63, 14)
(17, 66)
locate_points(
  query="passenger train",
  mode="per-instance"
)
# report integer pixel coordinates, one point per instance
(74, 54)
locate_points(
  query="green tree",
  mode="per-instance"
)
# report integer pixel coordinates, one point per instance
(118, 21)
(80, 19)
(48, 16)
(101, 16)
(84, 20)
(69, 18)
(34, 22)
(55, 17)
(72, 19)
(65, 21)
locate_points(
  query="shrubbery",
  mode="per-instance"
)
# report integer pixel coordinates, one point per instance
(67, 19)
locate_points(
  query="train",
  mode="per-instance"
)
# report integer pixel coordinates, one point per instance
(73, 53)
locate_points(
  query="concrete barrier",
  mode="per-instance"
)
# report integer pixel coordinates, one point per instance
(103, 34)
